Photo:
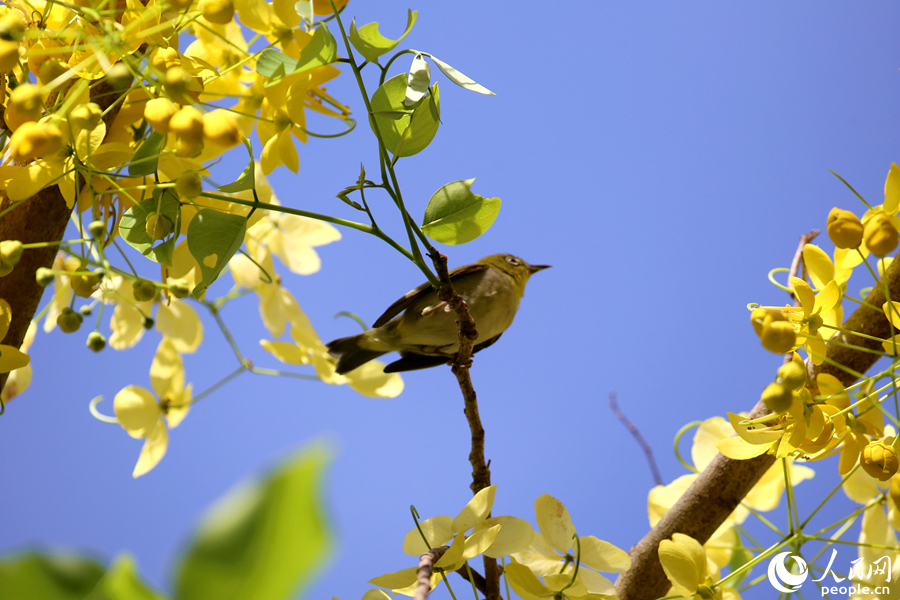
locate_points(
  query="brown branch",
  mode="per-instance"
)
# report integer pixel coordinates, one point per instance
(423, 574)
(635, 432)
(481, 474)
(719, 489)
(476, 578)
(40, 218)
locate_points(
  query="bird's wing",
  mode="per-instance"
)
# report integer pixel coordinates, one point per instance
(410, 361)
(403, 303)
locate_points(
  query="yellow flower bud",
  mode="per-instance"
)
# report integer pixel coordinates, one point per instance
(158, 226)
(757, 316)
(119, 76)
(182, 87)
(777, 334)
(97, 229)
(34, 140)
(879, 460)
(189, 184)
(95, 341)
(68, 320)
(12, 25)
(188, 149)
(44, 276)
(220, 12)
(158, 112)
(187, 124)
(844, 228)
(880, 235)
(143, 290)
(179, 288)
(777, 397)
(26, 99)
(51, 69)
(84, 285)
(165, 59)
(10, 253)
(86, 116)
(792, 375)
(221, 128)
(9, 55)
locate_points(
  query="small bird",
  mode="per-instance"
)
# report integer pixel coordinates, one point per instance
(424, 329)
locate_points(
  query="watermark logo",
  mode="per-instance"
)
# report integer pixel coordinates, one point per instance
(787, 577)
(781, 578)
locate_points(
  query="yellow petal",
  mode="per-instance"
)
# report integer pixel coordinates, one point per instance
(525, 583)
(180, 323)
(370, 380)
(892, 190)
(480, 541)
(475, 511)
(515, 535)
(453, 559)
(603, 556)
(286, 352)
(127, 326)
(136, 410)
(437, 531)
(663, 497)
(5, 318)
(804, 294)
(684, 562)
(828, 298)
(818, 265)
(12, 359)
(739, 449)
(704, 448)
(398, 579)
(153, 450)
(554, 522)
(179, 408)
(167, 370)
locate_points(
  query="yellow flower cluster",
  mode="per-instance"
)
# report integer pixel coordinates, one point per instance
(553, 562)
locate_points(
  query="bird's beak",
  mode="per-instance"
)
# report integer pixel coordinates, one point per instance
(532, 269)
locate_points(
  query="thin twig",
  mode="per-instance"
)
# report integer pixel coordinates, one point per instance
(635, 432)
(423, 574)
(481, 474)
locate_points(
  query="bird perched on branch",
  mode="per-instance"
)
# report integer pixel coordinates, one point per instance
(424, 328)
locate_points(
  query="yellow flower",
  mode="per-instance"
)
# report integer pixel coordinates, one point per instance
(19, 379)
(145, 416)
(11, 358)
(493, 537)
(684, 562)
(307, 348)
(175, 320)
(815, 306)
(552, 553)
(292, 239)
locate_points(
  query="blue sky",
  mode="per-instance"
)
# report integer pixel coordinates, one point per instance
(662, 157)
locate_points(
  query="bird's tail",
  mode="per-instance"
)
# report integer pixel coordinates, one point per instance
(350, 354)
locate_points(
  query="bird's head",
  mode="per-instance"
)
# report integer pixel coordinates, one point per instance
(515, 267)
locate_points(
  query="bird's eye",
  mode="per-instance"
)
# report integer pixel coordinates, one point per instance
(513, 261)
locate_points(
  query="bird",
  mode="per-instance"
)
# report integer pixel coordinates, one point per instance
(424, 328)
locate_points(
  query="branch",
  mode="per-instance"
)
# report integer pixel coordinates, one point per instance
(41, 218)
(476, 578)
(719, 489)
(481, 474)
(423, 574)
(636, 434)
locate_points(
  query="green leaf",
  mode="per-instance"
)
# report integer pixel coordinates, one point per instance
(213, 237)
(146, 159)
(48, 577)
(264, 540)
(405, 134)
(459, 79)
(455, 215)
(269, 61)
(247, 180)
(321, 50)
(133, 225)
(122, 582)
(369, 41)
